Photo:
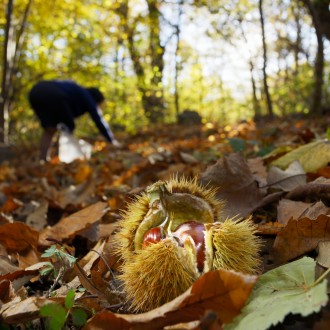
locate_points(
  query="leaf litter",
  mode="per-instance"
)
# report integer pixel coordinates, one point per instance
(75, 207)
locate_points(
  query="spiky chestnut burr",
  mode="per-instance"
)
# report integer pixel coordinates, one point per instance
(171, 234)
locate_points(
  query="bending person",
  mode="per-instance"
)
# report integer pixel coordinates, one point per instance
(62, 101)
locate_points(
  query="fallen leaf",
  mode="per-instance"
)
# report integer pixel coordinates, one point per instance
(279, 292)
(68, 227)
(7, 266)
(7, 292)
(38, 218)
(19, 277)
(83, 172)
(288, 209)
(258, 170)
(314, 210)
(300, 236)
(312, 156)
(269, 228)
(17, 236)
(323, 257)
(222, 291)
(72, 195)
(18, 312)
(236, 185)
(286, 180)
(10, 205)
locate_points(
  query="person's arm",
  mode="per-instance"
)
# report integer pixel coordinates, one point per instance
(101, 124)
(97, 116)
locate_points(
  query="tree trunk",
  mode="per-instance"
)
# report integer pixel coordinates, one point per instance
(322, 13)
(11, 57)
(155, 103)
(297, 45)
(8, 60)
(177, 63)
(255, 101)
(264, 68)
(319, 61)
(151, 89)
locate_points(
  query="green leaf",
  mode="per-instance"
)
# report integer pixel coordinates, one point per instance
(311, 156)
(71, 260)
(283, 290)
(237, 144)
(49, 252)
(47, 269)
(69, 299)
(57, 314)
(79, 317)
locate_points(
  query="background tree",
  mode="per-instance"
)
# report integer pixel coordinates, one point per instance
(147, 57)
(12, 47)
(152, 64)
(318, 10)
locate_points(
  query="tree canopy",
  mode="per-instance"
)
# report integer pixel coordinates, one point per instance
(227, 60)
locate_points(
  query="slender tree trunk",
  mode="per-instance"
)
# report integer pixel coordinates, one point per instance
(177, 62)
(297, 46)
(319, 61)
(154, 104)
(151, 92)
(8, 61)
(256, 105)
(255, 101)
(264, 68)
(11, 57)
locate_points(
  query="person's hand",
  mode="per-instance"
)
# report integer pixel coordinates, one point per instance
(116, 143)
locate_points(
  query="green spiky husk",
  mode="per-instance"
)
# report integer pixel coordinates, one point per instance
(158, 274)
(126, 228)
(138, 208)
(236, 246)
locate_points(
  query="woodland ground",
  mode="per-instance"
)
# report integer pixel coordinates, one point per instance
(40, 196)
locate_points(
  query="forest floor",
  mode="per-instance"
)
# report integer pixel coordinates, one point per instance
(77, 205)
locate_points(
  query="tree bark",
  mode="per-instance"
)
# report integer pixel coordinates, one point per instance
(177, 64)
(11, 57)
(319, 61)
(8, 60)
(151, 89)
(264, 68)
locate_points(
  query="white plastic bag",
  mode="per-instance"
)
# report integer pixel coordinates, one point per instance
(71, 148)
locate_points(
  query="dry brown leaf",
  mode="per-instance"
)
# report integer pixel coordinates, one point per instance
(288, 209)
(10, 205)
(68, 227)
(19, 277)
(83, 172)
(222, 291)
(7, 292)
(7, 266)
(72, 195)
(236, 185)
(28, 258)
(18, 312)
(269, 228)
(258, 170)
(38, 218)
(314, 210)
(323, 257)
(17, 236)
(300, 236)
(106, 229)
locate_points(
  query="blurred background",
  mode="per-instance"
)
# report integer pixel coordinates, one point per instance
(227, 60)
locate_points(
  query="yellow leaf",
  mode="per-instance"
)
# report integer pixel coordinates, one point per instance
(311, 156)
